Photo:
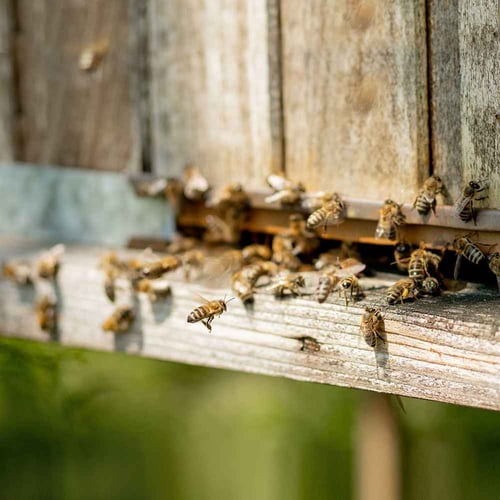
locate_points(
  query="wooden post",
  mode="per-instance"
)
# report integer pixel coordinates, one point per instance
(377, 459)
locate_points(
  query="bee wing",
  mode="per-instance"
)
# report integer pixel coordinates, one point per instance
(278, 182)
(462, 203)
(458, 263)
(351, 270)
(313, 201)
(200, 297)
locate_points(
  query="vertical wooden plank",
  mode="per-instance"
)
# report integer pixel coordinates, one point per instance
(71, 116)
(444, 93)
(355, 96)
(6, 83)
(378, 474)
(210, 89)
(479, 32)
(465, 92)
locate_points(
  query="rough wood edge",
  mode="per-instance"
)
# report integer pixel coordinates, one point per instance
(435, 350)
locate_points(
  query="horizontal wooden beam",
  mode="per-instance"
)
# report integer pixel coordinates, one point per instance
(443, 349)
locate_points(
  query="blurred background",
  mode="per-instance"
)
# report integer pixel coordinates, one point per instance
(76, 424)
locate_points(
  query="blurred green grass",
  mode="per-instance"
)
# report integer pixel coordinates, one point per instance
(78, 424)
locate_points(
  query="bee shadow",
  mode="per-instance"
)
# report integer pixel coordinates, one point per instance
(55, 334)
(381, 353)
(162, 309)
(26, 294)
(133, 340)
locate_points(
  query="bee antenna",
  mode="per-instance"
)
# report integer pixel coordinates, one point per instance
(229, 299)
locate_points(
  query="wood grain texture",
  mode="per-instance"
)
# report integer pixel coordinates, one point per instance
(210, 89)
(7, 110)
(465, 95)
(479, 34)
(444, 349)
(69, 116)
(355, 100)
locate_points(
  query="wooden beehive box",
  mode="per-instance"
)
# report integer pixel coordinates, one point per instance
(359, 97)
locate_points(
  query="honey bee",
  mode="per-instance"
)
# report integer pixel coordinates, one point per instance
(160, 267)
(326, 284)
(349, 286)
(327, 259)
(417, 268)
(207, 312)
(18, 272)
(46, 313)
(180, 245)
(120, 320)
(310, 344)
(465, 205)
(110, 283)
(219, 231)
(494, 265)
(426, 198)
(289, 283)
(304, 241)
(331, 211)
(255, 252)
(402, 252)
(195, 185)
(244, 281)
(232, 196)
(372, 326)
(405, 288)
(430, 286)
(285, 191)
(153, 288)
(193, 259)
(283, 254)
(391, 218)
(150, 187)
(49, 262)
(465, 248)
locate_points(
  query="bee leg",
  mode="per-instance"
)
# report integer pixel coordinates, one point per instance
(433, 208)
(207, 324)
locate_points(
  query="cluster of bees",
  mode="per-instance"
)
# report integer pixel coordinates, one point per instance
(277, 268)
(42, 275)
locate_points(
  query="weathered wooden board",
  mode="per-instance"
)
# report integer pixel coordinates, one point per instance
(465, 95)
(355, 102)
(210, 89)
(77, 205)
(71, 116)
(445, 349)
(7, 107)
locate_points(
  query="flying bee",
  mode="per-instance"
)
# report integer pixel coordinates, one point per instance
(465, 248)
(390, 219)
(207, 312)
(426, 198)
(288, 283)
(326, 284)
(120, 320)
(331, 211)
(18, 272)
(372, 326)
(155, 289)
(160, 267)
(350, 288)
(242, 287)
(256, 252)
(191, 260)
(405, 288)
(46, 313)
(402, 252)
(430, 286)
(195, 185)
(49, 262)
(465, 205)
(286, 192)
(303, 240)
(494, 265)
